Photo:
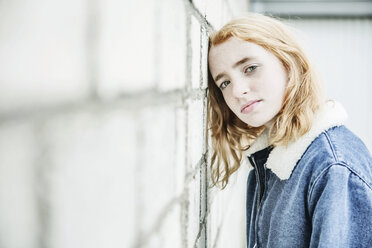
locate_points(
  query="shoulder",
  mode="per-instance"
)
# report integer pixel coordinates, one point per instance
(339, 148)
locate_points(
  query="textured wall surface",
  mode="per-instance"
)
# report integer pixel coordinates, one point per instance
(103, 139)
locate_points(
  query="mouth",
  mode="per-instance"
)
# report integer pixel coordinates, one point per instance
(249, 106)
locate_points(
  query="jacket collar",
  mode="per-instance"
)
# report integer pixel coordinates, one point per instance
(283, 159)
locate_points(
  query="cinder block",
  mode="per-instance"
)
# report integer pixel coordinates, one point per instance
(180, 149)
(193, 209)
(171, 44)
(169, 233)
(127, 53)
(204, 59)
(196, 55)
(195, 132)
(94, 179)
(120, 180)
(19, 219)
(42, 52)
(158, 167)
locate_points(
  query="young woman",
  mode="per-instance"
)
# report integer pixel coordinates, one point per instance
(310, 183)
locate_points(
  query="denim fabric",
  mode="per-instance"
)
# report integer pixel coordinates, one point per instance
(326, 202)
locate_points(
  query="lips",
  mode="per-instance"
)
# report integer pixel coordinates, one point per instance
(249, 106)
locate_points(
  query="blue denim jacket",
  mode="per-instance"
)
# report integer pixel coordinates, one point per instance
(316, 192)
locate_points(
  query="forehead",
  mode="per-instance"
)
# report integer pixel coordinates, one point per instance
(227, 53)
(227, 47)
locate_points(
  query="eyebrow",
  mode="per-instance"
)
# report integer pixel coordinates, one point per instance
(242, 61)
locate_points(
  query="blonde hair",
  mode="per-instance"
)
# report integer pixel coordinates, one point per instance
(303, 95)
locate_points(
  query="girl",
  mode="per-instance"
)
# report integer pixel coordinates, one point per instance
(310, 183)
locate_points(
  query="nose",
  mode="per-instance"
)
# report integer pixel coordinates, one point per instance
(240, 88)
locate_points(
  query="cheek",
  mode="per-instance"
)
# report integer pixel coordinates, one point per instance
(229, 100)
(275, 85)
(282, 86)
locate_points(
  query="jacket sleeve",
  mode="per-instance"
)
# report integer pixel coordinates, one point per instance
(340, 209)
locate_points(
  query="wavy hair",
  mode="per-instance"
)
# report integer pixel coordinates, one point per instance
(303, 95)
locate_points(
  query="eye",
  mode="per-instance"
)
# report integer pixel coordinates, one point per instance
(224, 84)
(250, 68)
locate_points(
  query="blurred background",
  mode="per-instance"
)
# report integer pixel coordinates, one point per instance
(103, 139)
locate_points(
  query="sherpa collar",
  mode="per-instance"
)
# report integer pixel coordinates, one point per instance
(282, 159)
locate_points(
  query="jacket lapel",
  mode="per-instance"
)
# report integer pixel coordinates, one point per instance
(283, 159)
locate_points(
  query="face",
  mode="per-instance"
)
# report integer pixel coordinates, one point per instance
(251, 79)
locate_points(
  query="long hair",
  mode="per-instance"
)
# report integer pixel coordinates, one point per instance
(302, 98)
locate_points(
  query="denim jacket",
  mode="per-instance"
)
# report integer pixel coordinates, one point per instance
(315, 192)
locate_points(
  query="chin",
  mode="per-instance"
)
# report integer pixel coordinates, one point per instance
(254, 124)
(257, 123)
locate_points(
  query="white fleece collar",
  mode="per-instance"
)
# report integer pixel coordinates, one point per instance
(282, 160)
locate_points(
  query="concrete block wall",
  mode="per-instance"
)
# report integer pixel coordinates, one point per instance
(103, 139)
